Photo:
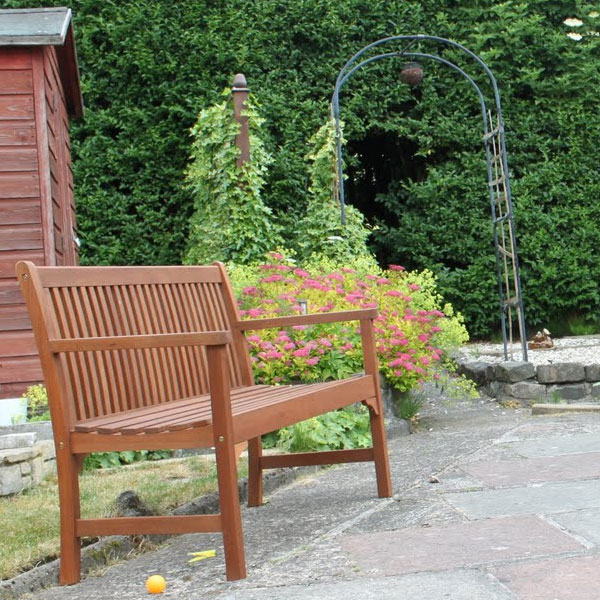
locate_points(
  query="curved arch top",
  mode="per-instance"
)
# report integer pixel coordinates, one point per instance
(345, 74)
(413, 39)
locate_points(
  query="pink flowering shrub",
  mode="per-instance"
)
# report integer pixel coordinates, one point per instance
(407, 329)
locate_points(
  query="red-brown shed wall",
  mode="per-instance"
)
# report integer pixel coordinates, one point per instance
(37, 211)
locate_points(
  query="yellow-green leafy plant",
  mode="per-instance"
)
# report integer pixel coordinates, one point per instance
(37, 403)
(320, 233)
(230, 222)
(408, 329)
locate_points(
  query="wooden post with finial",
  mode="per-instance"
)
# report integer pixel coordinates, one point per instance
(239, 91)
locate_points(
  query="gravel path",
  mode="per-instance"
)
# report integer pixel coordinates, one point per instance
(583, 349)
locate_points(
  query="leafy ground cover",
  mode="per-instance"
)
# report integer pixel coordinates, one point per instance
(30, 520)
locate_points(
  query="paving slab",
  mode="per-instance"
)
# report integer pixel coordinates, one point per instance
(449, 585)
(582, 523)
(545, 498)
(550, 409)
(553, 426)
(555, 446)
(465, 544)
(553, 579)
(569, 467)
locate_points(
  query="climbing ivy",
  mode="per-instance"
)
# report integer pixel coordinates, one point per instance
(230, 222)
(320, 232)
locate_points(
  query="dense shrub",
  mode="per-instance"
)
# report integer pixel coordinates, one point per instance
(411, 331)
(415, 158)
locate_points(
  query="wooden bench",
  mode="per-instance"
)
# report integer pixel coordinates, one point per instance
(155, 357)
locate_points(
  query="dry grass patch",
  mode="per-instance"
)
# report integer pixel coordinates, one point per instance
(30, 520)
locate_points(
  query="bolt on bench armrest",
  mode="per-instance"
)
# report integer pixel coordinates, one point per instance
(310, 319)
(130, 342)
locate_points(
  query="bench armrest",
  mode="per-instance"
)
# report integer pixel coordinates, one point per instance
(131, 342)
(310, 319)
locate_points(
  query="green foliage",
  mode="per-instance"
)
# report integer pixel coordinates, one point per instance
(438, 216)
(106, 460)
(37, 403)
(414, 155)
(338, 430)
(406, 329)
(408, 404)
(456, 387)
(230, 222)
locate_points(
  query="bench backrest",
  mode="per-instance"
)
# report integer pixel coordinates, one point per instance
(84, 302)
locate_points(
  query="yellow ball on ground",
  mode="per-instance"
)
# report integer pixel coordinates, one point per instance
(156, 584)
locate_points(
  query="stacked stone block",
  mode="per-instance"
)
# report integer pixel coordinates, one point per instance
(527, 384)
(24, 461)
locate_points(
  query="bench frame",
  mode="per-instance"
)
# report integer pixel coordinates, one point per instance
(100, 330)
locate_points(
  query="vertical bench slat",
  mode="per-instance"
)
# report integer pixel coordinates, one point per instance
(112, 296)
(174, 325)
(116, 362)
(87, 313)
(144, 302)
(148, 381)
(199, 322)
(114, 374)
(93, 328)
(69, 326)
(77, 316)
(186, 354)
(70, 362)
(168, 364)
(133, 380)
(105, 359)
(191, 355)
(119, 381)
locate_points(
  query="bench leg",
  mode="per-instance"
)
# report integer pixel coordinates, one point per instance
(68, 493)
(255, 479)
(231, 517)
(382, 462)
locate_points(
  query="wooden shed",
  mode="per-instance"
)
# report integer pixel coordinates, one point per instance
(39, 93)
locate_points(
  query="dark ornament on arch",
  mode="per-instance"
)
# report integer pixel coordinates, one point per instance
(412, 74)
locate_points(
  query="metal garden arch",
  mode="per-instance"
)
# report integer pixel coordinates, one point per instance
(507, 263)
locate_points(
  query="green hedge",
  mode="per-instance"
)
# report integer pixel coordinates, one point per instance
(149, 68)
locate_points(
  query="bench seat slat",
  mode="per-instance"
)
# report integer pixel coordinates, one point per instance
(240, 397)
(192, 414)
(166, 408)
(196, 412)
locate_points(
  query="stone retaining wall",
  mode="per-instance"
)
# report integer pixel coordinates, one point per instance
(24, 461)
(528, 384)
